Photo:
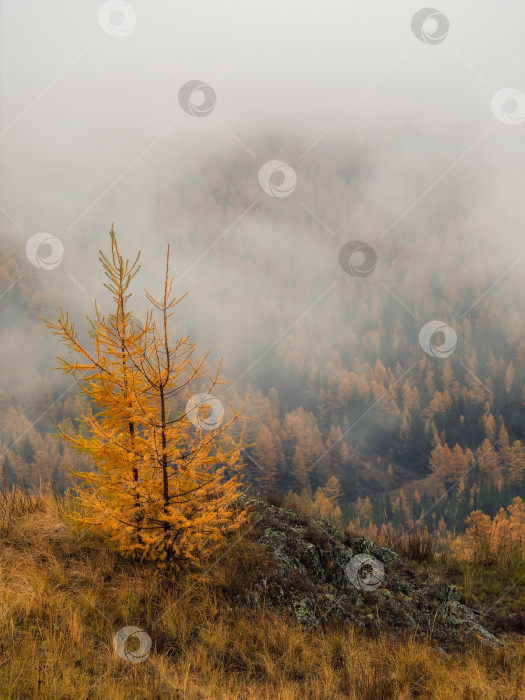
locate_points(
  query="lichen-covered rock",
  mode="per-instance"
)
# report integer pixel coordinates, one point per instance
(322, 574)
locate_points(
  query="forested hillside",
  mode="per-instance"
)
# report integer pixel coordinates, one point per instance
(339, 385)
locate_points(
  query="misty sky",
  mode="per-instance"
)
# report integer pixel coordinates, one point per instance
(93, 132)
(291, 67)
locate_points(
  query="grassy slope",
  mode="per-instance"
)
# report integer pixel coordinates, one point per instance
(63, 595)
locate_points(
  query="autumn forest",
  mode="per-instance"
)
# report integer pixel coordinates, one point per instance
(262, 351)
(343, 406)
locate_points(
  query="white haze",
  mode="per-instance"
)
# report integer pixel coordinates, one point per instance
(331, 88)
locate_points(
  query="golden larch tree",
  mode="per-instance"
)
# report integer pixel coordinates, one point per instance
(165, 482)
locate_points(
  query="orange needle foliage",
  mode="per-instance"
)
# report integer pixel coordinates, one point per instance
(162, 488)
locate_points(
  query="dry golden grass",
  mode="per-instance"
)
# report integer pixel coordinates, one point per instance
(64, 595)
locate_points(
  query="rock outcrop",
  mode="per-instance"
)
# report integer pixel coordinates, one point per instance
(318, 576)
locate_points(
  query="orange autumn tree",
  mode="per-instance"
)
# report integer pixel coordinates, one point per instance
(165, 483)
